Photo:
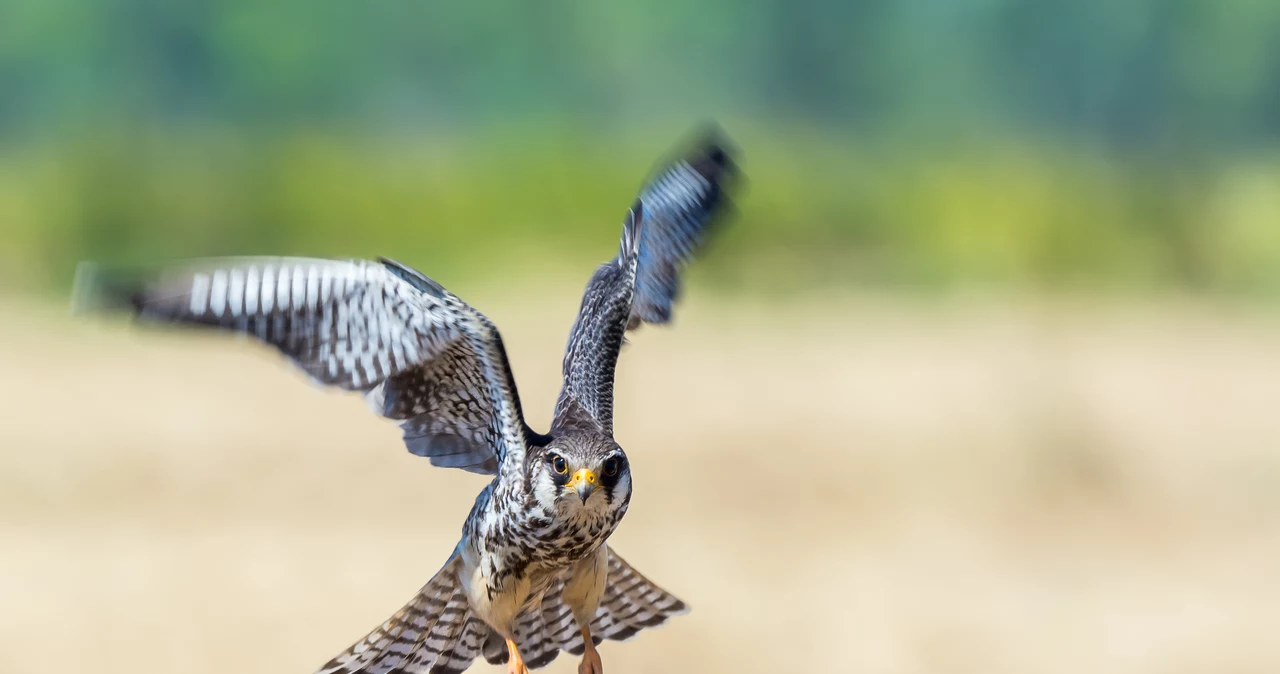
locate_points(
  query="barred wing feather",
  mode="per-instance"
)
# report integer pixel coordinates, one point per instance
(435, 632)
(670, 220)
(422, 356)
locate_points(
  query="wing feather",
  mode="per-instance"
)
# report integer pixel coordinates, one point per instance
(663, 230)
(435, 632)
(420, 354)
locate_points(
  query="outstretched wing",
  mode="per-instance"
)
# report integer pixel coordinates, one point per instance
(421, 355)
(662, 232)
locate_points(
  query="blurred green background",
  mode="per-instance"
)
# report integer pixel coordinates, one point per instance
(983, 380)
(927, 144)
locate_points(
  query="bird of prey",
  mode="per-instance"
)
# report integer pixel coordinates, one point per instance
(533, 573)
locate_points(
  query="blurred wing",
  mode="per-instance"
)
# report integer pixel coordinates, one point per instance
(663, 231)
(421, 355)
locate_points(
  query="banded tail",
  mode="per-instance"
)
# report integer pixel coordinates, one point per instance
(630, 603)
(435, 633)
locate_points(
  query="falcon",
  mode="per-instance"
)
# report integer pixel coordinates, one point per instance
(533, 573)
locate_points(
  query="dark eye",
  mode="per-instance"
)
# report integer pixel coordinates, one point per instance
(557, 462)
(611, 467)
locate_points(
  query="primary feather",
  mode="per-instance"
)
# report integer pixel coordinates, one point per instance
(663, 230)
(420, 354)
(532, 563)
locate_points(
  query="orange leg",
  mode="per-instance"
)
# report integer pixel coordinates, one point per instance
(590, 657)
(515, 663)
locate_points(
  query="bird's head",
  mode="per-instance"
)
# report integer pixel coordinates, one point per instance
(582, 473)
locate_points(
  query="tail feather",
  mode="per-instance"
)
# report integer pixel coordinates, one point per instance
(562, 628)
(630, 603)
(532, 637)
(435, 632)
(536, 646)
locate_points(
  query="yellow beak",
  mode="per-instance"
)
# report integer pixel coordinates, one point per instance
(584, 481)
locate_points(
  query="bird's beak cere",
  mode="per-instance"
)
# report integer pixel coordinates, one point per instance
(584, 481)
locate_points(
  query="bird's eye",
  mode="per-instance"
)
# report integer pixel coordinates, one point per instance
(559, 465)
(611, 467)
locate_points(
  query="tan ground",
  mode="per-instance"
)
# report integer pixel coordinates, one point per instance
(894, 488)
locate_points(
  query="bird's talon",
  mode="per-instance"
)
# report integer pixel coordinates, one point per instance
(591, 663)
(515, 663)
(590, 656)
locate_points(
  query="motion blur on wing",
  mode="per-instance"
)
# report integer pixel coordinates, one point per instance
(532, 574)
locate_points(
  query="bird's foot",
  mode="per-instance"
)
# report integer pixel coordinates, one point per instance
(590, 660)
(515, 663)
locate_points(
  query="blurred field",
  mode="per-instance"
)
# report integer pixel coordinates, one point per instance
(844, 484)
(819, 209)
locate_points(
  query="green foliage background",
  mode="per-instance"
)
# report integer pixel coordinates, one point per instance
(1093, 145)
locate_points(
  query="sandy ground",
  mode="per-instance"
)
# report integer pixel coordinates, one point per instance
(834, 485)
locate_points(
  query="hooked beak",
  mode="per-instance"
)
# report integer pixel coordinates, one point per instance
(584, 482)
